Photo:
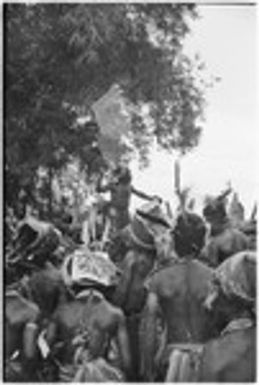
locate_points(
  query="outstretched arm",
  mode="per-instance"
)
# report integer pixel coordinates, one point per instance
(148, 337)
(141, 194)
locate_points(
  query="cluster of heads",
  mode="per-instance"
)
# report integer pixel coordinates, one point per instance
(153, 231)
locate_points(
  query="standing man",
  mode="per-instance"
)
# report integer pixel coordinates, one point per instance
(177, 289)
(121, 189)
(91, 331)
(224, 240)
(136, 265)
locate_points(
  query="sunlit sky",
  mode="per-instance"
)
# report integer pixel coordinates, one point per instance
(225, 38)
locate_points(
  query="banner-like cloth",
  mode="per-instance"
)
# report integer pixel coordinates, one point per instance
(112, 121)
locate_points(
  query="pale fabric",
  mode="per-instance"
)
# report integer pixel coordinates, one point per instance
(89, 266)
(237, 275)
(184, 363)
(97, 370)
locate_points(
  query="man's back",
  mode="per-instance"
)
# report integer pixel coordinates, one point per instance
(181, 290)
(92, 322)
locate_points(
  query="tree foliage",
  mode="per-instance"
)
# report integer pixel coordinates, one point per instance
(60, 58)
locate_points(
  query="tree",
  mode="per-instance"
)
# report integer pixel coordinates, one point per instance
(60, 58)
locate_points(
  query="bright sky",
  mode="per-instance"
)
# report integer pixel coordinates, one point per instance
(225, 37)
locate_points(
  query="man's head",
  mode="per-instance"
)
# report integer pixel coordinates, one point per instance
(160, 226)
(122, 174)
(139, 236)
(189, 234)
(215, 211)
(233, 288)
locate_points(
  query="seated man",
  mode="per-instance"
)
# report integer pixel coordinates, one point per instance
(87, 327)
(177, 289)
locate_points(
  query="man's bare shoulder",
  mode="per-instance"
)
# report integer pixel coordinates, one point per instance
(107, 307)
(65, 310)
(108, 316)
(163, 276)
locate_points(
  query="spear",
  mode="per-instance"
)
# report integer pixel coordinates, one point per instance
(254, 213)
(177, 180)
(181, 193)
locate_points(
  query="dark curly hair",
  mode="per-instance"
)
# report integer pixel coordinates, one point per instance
(189, 234)
(215, 209)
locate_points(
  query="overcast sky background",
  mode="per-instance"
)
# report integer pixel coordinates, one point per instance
(225, 37)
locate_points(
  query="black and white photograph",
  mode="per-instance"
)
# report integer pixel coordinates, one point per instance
(129, 191)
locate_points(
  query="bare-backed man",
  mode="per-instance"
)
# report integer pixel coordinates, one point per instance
(91, 335)
(176, 292)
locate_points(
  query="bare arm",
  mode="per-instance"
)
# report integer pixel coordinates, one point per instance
(123, 288)
(123, 343)
(30, 336)
(51, 332)
(141, 194)
(31, 332)
(148, 338)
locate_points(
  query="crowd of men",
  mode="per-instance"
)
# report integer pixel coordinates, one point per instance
(169, 298)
